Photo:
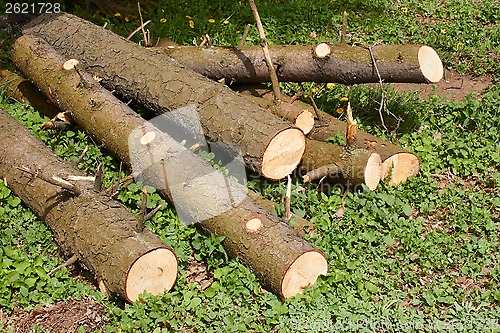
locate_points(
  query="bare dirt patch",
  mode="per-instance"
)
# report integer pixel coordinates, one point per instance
(63, 317)
(452, 87)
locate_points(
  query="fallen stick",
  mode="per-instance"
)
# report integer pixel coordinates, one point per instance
(284, 262)
(96, 230)
(397, 163)
(338, 63)
(269, 145)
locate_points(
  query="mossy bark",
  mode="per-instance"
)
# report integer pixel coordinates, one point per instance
(269, 252)
(162, 85)
(297, 63)
(95, 228)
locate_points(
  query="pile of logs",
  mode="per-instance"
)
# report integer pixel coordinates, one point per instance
(76, 64)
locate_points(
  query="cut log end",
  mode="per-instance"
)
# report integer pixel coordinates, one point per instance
(430, 64)
(148, 137)
(302, 273)
(397, 168)
(254, 224)
(373, 171)
(70, 64)
(155, 272)
(305, 121)
(322, 50)
(283, 153)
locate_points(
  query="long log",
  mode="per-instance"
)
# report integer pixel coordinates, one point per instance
(269, 145)
(340, 63)
(98, 230)
(283, 261)
(397, 163)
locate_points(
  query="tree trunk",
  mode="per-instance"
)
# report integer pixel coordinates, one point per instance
(95, 228)
(397, 163)
(340, 63)
(269, 145)
(284, 262)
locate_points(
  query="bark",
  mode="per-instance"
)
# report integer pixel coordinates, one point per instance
(284, 262)
(269, 145)
(397, 163)
(298, 63)
(24, 91)
(98, 230)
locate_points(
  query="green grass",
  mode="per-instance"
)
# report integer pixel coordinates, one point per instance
(423, 256)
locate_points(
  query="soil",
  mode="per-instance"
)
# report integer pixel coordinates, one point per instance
(452, 87)
(70, 316)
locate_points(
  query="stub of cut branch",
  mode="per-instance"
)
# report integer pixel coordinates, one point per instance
(323, 171)
(322, 50)
(70, 64)
(350, 126)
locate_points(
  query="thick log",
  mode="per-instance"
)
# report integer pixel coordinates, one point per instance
(284, 262)
(397, 163)
(24, 91)
(98, 230)
(269, 145)
(339, 63)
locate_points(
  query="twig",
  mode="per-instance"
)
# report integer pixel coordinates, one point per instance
(344, 28)
(54, 180)
(321, 172)
(98, 178)
(68, 262)
(142, 215)
(82, 156)
(288, 213)
(265, 50)
(315, 107)
(296, 96)
(152, 213)
(350, 127)
(146, 40)
(245, 34)
(138, 29)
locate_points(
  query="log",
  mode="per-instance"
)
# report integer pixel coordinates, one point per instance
(98, 230)
(339, 63)
(270, 146)
(24, 91)
(397, 163)
(283, 261)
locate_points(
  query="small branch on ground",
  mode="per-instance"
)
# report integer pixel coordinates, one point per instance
(144, 34)
(245, 34)
(265, 50)
(68, 262)
(98, 178)
(81, 157)
(139, 29)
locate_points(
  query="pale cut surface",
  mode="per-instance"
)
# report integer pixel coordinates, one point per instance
(399, 167)
(373, 171)
(154, 272)
(283, 153)
(430, 64)
(148, 137)
(254, 224)
(322, 50)
(305, 121)
(302, 273)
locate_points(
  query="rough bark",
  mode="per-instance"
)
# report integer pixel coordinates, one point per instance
(269, 145)
(397, 163)
(284, 262)
(298, 63)
(98, 230)
(24, 91)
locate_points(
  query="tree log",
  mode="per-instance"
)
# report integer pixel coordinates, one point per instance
(284, 262)
(269, 145)
(397, 163)
(98, 230)
(340, 63)
(24, 91)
